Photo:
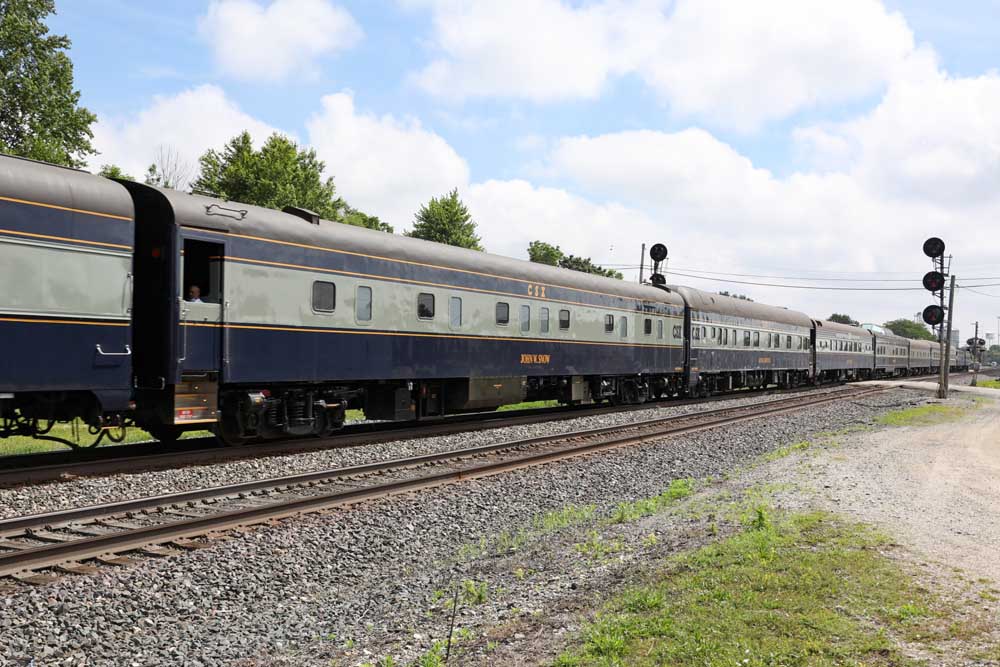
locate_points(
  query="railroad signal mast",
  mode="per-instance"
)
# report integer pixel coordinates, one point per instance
(976, 348)
(938, 315)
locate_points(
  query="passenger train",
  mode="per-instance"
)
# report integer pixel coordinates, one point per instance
(299, 319)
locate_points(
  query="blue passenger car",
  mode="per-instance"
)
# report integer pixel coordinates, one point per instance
(66, 241)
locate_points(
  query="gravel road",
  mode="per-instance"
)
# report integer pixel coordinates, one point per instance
(352, 586)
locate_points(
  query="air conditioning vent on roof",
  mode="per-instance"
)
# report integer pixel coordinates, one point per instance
(303, 213)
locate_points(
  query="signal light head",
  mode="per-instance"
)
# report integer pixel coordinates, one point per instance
(658, 252)
(658, 279)
(934, 315)
(934, 247)
(934, 281)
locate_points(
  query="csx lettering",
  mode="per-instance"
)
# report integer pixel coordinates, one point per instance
(535, 358)
(536, 291)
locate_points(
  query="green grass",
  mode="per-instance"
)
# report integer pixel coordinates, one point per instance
(528, 405)
(23, 445)
(630, 511)
(808, 589)
(989, 384)
(922, 415)
(787, 450)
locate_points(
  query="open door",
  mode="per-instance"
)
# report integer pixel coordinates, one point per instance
(200, 332)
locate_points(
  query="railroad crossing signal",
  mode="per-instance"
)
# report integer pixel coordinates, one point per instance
(934, 247)
(934, 281)
(934, 315)
(658, 253)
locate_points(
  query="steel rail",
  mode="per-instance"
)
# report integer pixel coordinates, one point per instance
(22, 561)
(55, 466)
(17, 524)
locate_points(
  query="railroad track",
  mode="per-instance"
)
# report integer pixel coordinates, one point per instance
(55, 466)
(80, 539)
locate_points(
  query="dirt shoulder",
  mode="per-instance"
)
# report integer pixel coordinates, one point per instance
(933, 484)
(926, 476)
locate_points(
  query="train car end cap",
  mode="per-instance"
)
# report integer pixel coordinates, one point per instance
(934, 247)
(658, 252)
(933, 315)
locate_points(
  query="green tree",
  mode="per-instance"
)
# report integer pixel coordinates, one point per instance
(909, 329)
(353, 216)
(40, 116)
(840, 318)
(446, 220)
(279, 174)
(541, 252)
(114, 171)
(585, 265)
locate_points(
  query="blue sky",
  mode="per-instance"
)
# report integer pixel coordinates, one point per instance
(746, 136)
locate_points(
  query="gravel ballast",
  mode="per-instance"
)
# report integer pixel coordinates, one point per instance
(20, 501)
(354, 585)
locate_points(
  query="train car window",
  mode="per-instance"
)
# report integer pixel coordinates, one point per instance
(363, 304)
(455, 311)
(734, 338)
(425, 306)
(623, 325)
(609, 323)
(564, 319)
(703, 332)
(725, 336)
(788, 343)
(647, 327)
(713, 333)
(503, 313)
(324, 296)
(659, 329)
(746, 339)
(543, 320)
(676, 331)
(525, 318)
(769, 340)
(696, 333)
(756, 339)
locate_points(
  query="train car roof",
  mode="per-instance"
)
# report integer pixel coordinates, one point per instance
(237, 218)
(826, 325)
(727, 305)
(32, 182)
(917, 342)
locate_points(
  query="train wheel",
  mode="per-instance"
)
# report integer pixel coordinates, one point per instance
(165, 433)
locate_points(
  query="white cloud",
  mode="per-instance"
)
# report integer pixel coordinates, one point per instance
(188, 123)
(935, 139)
(738, 64)
(743, 63)
(278, 41)
(539, 49)
(383, 165)
(717, 211)
(510, 214)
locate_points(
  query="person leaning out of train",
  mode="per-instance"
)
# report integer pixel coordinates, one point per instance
(194, 294)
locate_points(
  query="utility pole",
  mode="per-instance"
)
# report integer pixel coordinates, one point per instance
(974, 350)
(946, 343)
(642, 266)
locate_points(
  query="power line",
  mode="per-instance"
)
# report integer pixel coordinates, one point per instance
(808, 287)
(975, 291)
(850, 280)
(818, 287)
